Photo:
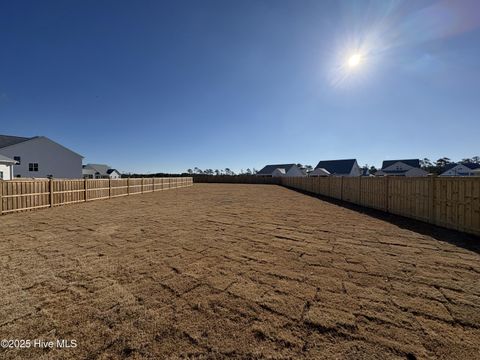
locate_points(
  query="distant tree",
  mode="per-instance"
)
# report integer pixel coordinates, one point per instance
(217, 172)
(442, 162)
(208, 172)
(241, 172)
(229, 172)
(308, 168)
(372, 170)
(425, 163)
(198, 171)
(249, 172)
(254, 171)
(190, 171)
(473, 160)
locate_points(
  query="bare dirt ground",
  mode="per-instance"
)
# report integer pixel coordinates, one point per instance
(235, 271)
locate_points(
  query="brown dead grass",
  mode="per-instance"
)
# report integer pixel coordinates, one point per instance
(234, 271)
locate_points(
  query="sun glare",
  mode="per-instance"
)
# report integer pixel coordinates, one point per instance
(354, 60)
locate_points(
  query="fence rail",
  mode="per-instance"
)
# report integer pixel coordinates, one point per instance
(450, 202)
(22, 195)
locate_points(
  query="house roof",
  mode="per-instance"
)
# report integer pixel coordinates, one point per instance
(4, 159)
(410, 162)
(319, 171)
(109, 171)
(471, 166)
(337, 166)
(102, 169)
(269, 169)
(6, 140)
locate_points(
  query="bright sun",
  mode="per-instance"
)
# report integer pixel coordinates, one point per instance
(354, 60)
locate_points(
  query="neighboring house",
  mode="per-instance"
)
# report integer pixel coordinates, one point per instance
(347, 167)
(366, 172)
(40, 157)
(6, 171)
(100, 171)
(281, 170)
(407, 167)
(319, 172)
(460, 169)
(476, 172)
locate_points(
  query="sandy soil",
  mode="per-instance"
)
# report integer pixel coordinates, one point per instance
(236, 271)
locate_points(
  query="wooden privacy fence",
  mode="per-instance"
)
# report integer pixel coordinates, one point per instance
(21, 195)
(452, 202)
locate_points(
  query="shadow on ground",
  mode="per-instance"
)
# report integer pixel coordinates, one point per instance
(457, 238)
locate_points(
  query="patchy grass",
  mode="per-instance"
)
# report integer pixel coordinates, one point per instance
(237, 271)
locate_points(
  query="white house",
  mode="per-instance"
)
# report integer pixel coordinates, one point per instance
(6, 165)
(347, 167)
(100, 171)
(290, 170)
(40, 157)
(407, 167)
(460, 169)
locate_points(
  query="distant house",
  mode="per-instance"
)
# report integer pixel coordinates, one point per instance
(476, 172)
(40, 157)
(6, 171)
(407, 167)
(281, 170)
(100, 171)
(460, 169)
(347, 167)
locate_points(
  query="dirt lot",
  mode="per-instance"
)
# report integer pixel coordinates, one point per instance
(237, 271)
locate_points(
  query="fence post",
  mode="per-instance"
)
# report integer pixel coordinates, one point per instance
(359, 190)
(51, 192)
(142, 185)
(128, 186)
(341, 189)
(153, 184)
(1, 197)
(387, 193)
(85, 186)
(109, 187)
(431, 199)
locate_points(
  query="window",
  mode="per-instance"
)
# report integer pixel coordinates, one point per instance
(33, 167)
(1, 175)
(18, 159)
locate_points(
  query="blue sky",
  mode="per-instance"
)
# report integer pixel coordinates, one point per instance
(151, 86)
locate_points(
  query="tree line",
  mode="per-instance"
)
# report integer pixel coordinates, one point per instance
(226, 171)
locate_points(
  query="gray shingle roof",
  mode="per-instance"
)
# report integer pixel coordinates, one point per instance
(269, 169)
(100, 168)
(411, 162)
(5, 159)
(471, 166)
(337, 166)
(6, 140)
